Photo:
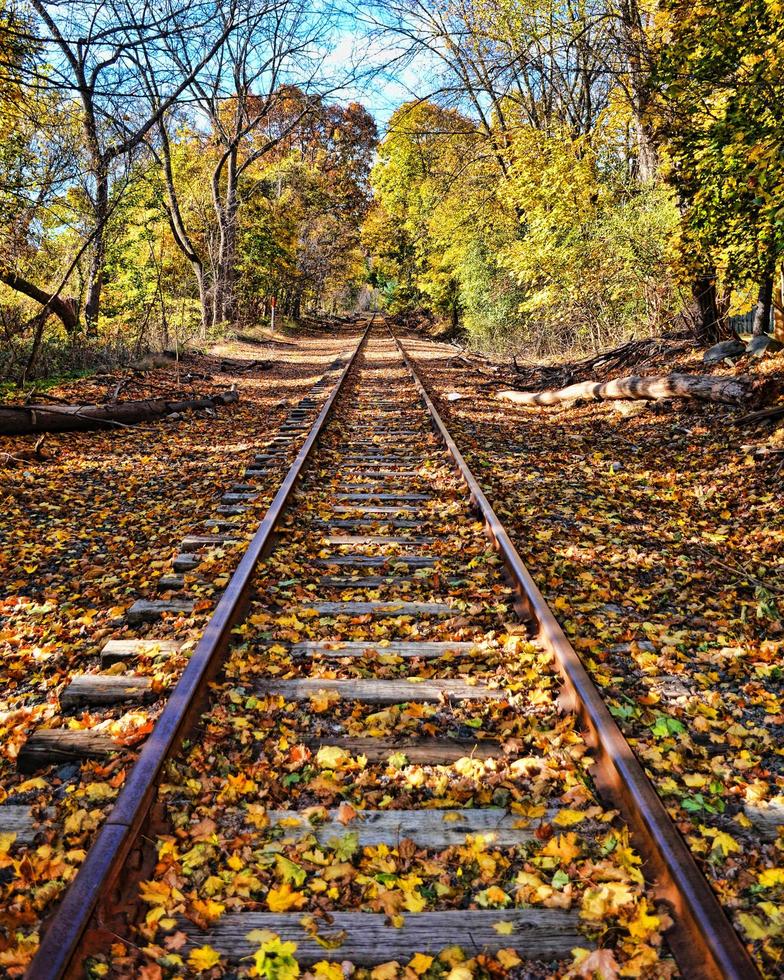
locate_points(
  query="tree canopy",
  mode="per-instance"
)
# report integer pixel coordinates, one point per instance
(566, 174)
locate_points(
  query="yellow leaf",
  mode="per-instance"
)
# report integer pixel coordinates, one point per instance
(328, 971)
(414, 902)
(724, 843)
(204, 958)
(290, 871)
(154, 892)
(605, 898)
(420, 963)
(564, 847)
(771, 877)
(282, 899)
(507, 958)
(275, 959)
(209, 909)
(331, 756)
(643, 924)
(35, 783)
(493, 897)
(321, 701)
(567, 818)
(754, 927)
(504, 928)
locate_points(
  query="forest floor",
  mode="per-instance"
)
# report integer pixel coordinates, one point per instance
(85, 533)
(656, 533)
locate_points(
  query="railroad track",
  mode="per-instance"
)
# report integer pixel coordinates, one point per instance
(384, 745)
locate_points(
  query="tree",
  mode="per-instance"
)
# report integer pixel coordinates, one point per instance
(722, 79)
(93, 54)
(245, 102)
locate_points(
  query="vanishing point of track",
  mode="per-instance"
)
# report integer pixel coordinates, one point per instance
(378, 512)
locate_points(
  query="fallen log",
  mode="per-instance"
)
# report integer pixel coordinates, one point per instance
(729, 390)
(16, 420)
(766, 415)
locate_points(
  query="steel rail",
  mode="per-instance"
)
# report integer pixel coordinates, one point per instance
(702, 939)
(59, 953)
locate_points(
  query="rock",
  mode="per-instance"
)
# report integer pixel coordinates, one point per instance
(453, 396)
(68, 772)
(719, 352)
(629, 408)
(616, 467)
(759, 346)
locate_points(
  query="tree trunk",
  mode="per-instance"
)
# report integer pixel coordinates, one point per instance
(708, 327)
(731, 390)
(764, 303)
(647, 156)
(634, 45)
(92, 305)
(229, 308)
(63, 309)
(18, 420)
(226, 205)
(198, 271)
(218, 269)
(179, 231)
(40, 323)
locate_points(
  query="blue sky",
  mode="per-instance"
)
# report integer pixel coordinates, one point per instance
(388, 77)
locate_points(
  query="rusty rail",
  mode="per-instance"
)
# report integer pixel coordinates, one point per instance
(59, 953)
(702, 938)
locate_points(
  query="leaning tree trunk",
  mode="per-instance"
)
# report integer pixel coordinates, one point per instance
(64, 309)
(16, 420)
(731, 390)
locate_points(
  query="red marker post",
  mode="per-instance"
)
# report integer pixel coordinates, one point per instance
(273, 303)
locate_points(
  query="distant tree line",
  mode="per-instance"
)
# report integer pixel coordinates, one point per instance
(167, 168)
(581, 172)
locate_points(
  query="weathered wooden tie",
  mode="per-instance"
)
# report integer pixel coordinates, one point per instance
(397, 691)
(370, 939)
(54, 746)
(150, 610)
(382, 608)
(432, 829)
(368, 540)
(119, 651)
(359, 648)
(102, 689)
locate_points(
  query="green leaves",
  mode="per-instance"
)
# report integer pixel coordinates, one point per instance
(665, 727)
